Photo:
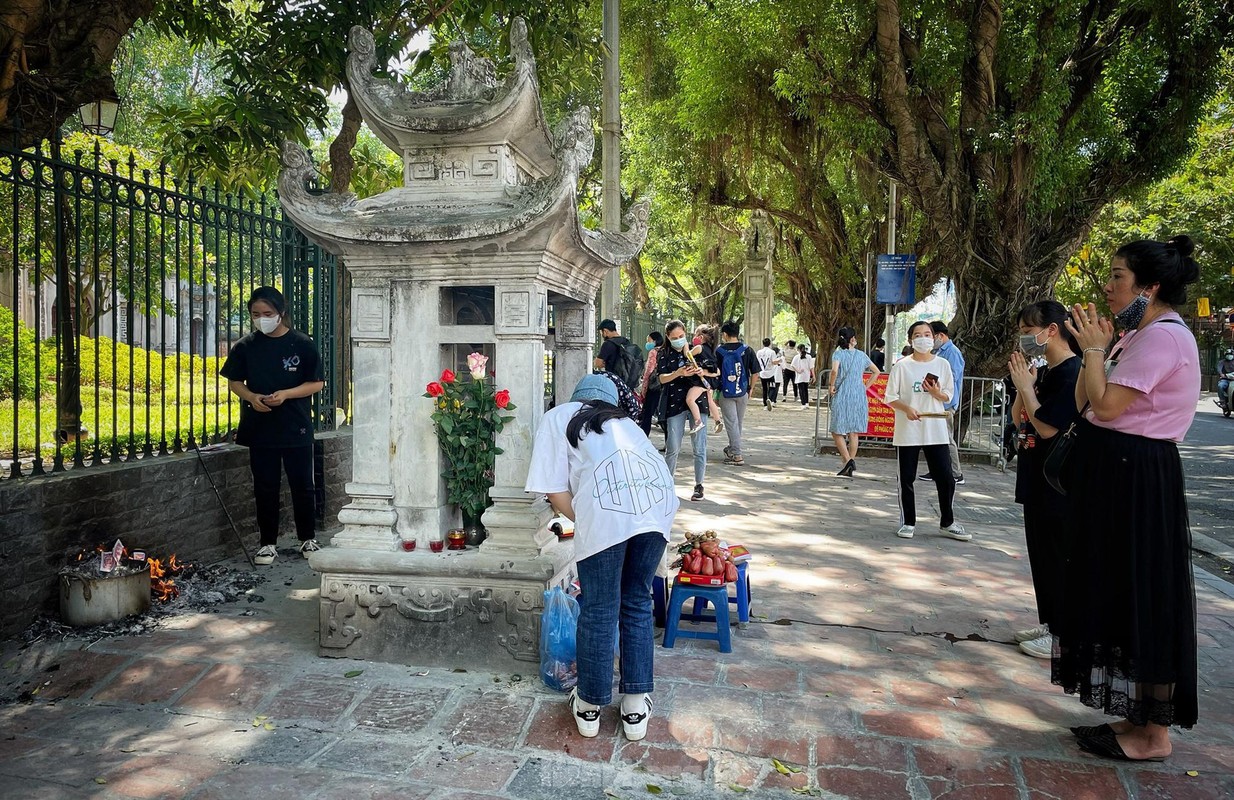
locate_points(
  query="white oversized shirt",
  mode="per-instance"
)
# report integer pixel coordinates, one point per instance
(620, 482)
(904, 385)
(766, 359)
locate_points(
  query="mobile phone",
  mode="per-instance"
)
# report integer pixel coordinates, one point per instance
(931, 378)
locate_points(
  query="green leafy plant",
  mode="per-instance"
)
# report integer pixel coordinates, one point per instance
(467, 417)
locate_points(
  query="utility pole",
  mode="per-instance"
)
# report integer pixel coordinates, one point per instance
(610, 126)
(889, 334)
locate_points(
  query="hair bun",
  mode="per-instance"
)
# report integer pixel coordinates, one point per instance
(1182, 244)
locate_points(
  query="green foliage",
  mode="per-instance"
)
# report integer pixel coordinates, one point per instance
(17, 357)
(1197, 200)
(467, 417)
(273, 65)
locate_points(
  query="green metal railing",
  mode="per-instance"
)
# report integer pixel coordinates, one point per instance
(156, 271)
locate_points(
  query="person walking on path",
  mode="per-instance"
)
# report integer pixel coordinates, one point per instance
(850, 410)
(1044, 407)
(677, 375)
(1225, 376)
(622, 523)
(618, 356)
(1127, 644)
(803, 373)
(737, 363)
(649, 388)
(879, 354)
(945, 348)
(918, 389)
(767, 373)
(274, 370)
(789, 381)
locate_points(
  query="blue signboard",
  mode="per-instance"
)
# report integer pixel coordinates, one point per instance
(897, 280)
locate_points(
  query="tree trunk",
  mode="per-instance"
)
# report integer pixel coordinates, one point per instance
(56, 56)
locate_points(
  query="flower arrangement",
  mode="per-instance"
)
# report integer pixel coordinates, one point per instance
(467, 418)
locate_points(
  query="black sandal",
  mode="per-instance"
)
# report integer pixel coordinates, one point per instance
(1107, 746)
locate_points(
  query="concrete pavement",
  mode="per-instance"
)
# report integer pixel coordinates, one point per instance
(875, 668)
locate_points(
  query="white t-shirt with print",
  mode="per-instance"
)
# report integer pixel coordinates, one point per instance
(620, 482)
(766, 359)
(904, 385)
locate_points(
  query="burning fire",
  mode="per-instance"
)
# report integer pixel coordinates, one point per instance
(162, 585)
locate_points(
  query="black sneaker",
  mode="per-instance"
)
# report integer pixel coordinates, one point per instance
(959, 479)
(925, 477)
(698, 492)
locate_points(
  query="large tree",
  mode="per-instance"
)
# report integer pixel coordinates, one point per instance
(1012, 127)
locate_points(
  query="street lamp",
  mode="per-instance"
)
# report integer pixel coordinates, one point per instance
(99, 116)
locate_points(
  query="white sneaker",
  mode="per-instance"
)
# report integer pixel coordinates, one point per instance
(309, 546)
(695, 429)
(956, 531)
(1041, 647)
(634, 723)
(1028, 634)
(906, 531)
(266, 554)
(587, 719)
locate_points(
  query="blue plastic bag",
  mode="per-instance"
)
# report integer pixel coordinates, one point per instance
(558, 640)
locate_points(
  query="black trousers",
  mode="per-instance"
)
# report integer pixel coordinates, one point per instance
(803, 392)
(769, 390)
(938, 458)
(790, 382)
(1047, 557)
(267, 465)
(650, 403)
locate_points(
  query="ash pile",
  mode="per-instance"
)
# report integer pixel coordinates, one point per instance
(177, 589)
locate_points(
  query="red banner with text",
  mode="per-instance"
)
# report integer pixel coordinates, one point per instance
(882, 424)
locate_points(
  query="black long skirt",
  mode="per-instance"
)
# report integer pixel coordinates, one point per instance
(1127, 643)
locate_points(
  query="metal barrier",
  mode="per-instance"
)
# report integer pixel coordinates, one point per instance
(978, 426)
(122, 289)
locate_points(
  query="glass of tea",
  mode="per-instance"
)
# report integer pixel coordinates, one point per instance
(436, 542)
(408, 545)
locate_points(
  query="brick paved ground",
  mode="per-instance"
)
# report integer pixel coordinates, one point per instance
(876, 668)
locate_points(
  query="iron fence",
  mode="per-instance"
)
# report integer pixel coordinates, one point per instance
(979, 425)
(122, 288)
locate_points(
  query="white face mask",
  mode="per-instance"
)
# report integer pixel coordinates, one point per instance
(268, 325)
(923, 344)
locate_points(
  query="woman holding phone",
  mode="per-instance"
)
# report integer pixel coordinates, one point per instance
(917, 389)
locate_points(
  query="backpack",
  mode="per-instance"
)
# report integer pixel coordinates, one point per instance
(734, 382)
(629, 366)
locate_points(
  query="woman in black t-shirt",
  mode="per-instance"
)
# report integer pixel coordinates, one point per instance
(275, 371)
(1043, 408)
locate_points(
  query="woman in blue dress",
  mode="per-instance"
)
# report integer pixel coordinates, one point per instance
(849, 411)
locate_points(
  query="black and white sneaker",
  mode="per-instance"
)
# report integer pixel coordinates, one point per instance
(587, 719)
(634, 723)
(698, 492)
(266, 555)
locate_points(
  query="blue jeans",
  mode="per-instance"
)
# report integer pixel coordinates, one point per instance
(698, 445)
(616, 586)
(1223, 392)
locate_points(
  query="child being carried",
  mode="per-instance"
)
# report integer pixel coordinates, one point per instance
(702, 355)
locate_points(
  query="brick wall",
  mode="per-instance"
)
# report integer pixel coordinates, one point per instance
(162, 505)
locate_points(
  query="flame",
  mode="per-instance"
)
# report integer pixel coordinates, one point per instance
(163, 588)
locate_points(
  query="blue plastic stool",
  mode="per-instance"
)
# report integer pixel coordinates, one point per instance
(717, 596)
(741, 599)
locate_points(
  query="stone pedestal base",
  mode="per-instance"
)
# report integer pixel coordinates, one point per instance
(468, 609)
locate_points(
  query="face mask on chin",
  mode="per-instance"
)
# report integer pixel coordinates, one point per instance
(1031, 347)
(268, 325)
(1129, 318)
(923, 344)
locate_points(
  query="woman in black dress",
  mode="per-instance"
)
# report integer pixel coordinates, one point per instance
(1127, 644)
(1043, 408)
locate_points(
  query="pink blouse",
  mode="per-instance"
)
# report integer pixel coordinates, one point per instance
(1162, 362)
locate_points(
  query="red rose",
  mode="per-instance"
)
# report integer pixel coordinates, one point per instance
(502, 398)
(435, 389)
(447, 376)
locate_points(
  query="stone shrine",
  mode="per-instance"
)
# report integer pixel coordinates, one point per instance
(474, 252)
